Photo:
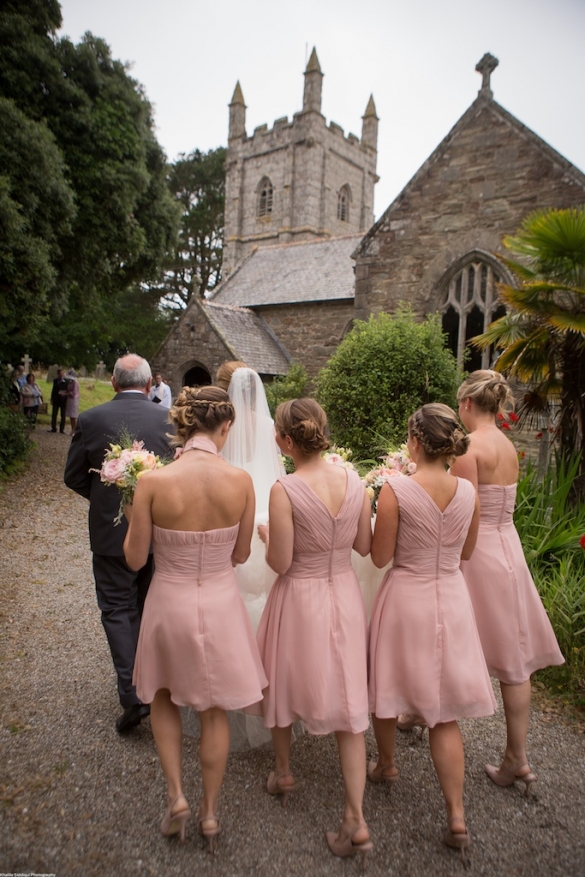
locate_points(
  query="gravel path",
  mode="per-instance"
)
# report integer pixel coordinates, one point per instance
(78, 799)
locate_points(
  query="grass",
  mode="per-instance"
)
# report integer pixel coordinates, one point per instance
(91, 393)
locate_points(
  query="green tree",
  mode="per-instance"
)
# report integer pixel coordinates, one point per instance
(197, 181)
(542, 335)
(381, 372)
(36, 214)
(126, 219)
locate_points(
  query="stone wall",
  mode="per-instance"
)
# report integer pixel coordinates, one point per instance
(476, 188)
(191, 343)
(307, 163)
(310, 331)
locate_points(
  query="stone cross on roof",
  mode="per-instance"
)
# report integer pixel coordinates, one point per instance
(486, 67)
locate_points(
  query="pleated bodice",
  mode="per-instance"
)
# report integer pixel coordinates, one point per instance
(194, 554)
(430, 541)
(323, 542)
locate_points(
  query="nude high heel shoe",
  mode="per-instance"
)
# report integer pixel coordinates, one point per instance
(210, 832)
(459, 840)
(174, 823)
(343, 845)
(379, 774)
(276, 786)
(503, 776)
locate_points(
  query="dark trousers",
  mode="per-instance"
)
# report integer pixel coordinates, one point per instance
(120, 597)
(59, 407)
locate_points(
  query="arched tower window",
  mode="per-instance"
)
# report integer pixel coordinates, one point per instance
(468, 304)
(265, 197)
(343, 201)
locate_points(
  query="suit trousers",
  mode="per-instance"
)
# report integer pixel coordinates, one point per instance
(58, 409)
(120, 596)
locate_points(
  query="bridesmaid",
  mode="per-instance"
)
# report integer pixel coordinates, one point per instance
(425, 653)
(313, 632)
(196, 647)
(515, 632)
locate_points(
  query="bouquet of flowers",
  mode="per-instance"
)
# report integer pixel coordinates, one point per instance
(339, 457)
(124, 464)
(394, 465)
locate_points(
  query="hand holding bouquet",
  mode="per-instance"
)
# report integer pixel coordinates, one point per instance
(123, 466)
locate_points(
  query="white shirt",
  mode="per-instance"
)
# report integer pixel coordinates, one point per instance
(162, 392)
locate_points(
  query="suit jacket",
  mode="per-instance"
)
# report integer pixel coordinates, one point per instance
(59, 384)
(96, 429)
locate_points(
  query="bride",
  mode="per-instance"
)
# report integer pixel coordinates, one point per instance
(251, 445)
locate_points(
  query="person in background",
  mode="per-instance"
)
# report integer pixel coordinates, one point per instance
(120, 590)
(72, 399)
(59, 401)
(160, 393)
(32, 397)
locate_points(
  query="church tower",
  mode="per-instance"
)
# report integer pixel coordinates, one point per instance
(299, 180)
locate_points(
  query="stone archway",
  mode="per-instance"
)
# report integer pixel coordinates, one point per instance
(196, 376)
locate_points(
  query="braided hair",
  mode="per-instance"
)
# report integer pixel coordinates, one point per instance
(200, 409)
(437, 429)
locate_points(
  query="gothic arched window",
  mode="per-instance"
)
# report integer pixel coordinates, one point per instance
(468, 304)
(343, 199)
(265, 197)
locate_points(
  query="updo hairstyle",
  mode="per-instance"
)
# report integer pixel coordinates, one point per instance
(437, 429)
(201, 409)
(305, 422)
(489, 390)
(225, 372)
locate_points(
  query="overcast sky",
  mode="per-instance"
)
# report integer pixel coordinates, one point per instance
(417, 57)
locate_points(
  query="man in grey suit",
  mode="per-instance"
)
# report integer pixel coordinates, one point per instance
(120, 591)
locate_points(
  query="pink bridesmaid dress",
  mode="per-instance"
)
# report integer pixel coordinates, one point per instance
(195, 635)
(425, 652)
(313, 632)
(515, 632)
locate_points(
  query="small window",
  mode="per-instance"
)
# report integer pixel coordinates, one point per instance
(343, 199)
(265, 197)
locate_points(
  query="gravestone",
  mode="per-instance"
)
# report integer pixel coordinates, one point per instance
(27, 363)
(52, 373)
(100, 370)
(83, 372)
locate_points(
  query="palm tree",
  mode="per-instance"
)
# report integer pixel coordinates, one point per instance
(542, 335)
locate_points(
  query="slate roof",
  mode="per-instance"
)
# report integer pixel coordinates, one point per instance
(249, 337)
(309, 271)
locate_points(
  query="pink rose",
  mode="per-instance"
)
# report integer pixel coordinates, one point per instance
(112, 470)
(411, 468)
(127, 456)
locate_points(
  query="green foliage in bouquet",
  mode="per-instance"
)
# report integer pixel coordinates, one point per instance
(381, 372)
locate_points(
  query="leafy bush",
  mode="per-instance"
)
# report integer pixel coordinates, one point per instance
(381, 372)
(551, 527)
(14, 441)
(292, 386)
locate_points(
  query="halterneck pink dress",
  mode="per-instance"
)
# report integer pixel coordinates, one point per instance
(515, 632)
(313, 632)
(425, 653)
(195, 636)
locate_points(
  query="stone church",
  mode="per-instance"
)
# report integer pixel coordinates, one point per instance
(303, 259)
